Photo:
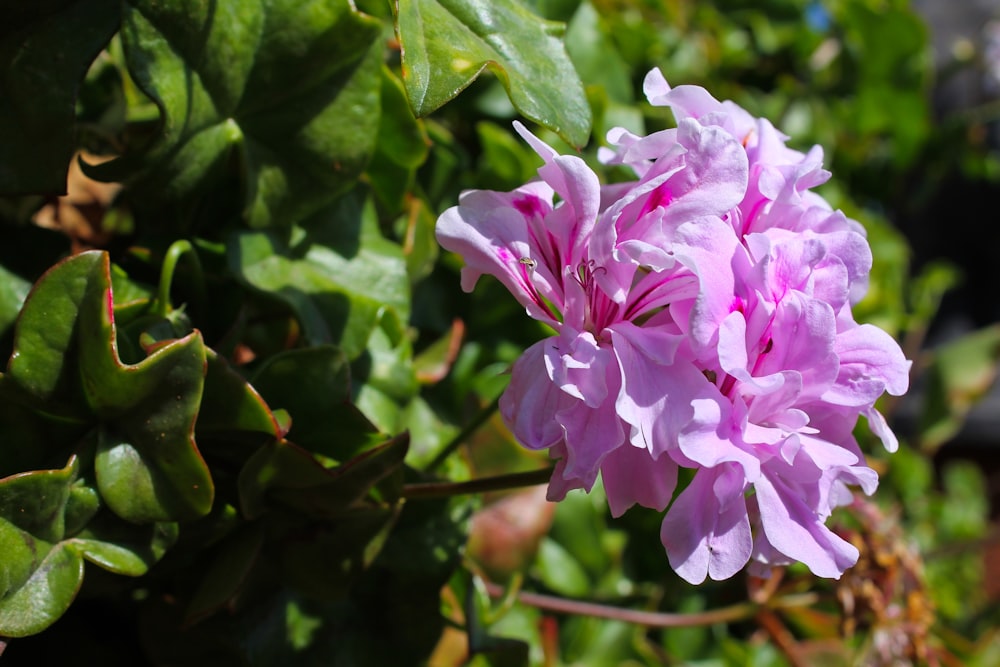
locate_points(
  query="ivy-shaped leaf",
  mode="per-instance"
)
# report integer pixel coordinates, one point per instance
(148, 466)
(66, 365)
(447, 43)
(46, 48)
(42, 546)
(286, 89)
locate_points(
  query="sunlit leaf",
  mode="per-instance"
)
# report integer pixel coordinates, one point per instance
(448, 43)
(45, 596)
(337, 273)
(46, 533)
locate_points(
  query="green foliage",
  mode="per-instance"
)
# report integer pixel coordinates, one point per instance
(227, 80)
(959, 375)
(223, 409)
(447, 43)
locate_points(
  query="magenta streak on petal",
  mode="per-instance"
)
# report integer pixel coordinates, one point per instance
(523, 268)
(764, 345)
(659, 197)
(661, 293)
(751, 217)
(601, 310)
(529, 206)
(727, 386)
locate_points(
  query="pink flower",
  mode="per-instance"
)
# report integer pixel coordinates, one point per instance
(702, 320)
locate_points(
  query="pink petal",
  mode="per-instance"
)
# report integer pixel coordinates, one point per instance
(578, 366)
(531, 400)
(655, 399)
(707, 529)
(632, 476)
(794, 529)
(871, 362)
(591, 435)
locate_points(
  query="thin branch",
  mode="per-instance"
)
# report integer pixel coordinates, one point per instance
(653, 619)
(483, 484)
(781, 637)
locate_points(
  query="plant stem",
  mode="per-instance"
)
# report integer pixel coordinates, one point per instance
(654, 619)
(498, 483)
(177, 250)
(464, 434)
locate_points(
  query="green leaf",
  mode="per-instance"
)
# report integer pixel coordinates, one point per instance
(46, 48)
(959, 375)
(560, 571)
(420, 246)
(506, 161)
(148, 466)
(447, 43)
(66, 364)
(34, 501)
(595, 56)
(314, 386)
(385, 375)
(336, 272)
(230, 404)
(21, 554)
(402, 146)
(45, 596)
(284, 92)
(290, 477)
(44, 360)
(13, 291)
(50, 521)
(123, 548)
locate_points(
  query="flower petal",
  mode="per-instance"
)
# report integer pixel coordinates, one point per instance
(632, 476)
(794, 529)
(707, 529)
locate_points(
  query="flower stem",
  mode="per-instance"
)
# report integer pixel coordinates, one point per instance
(464, 434)
(654, 619)
(177, 250)
(498, 483)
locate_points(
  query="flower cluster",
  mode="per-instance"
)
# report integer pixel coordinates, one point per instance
(702, 320)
